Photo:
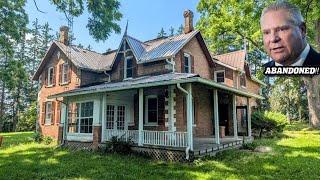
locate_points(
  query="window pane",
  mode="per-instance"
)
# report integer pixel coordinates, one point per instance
(152, 104)
(129, 68)
(152, 116)
(186, 64)
(129, 73)
(220, 76)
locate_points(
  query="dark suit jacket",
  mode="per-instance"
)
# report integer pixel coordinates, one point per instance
(313, 59)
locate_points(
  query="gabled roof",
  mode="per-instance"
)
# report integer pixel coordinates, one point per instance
(234, 59)
(237, 61)
(81, 58)
(160, 48)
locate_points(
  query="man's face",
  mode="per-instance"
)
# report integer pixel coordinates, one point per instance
(282, 40)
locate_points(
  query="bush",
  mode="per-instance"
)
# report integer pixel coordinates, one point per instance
(37, 137)
(118, 145)
(249, 146)
(270, 122)
(47, 140)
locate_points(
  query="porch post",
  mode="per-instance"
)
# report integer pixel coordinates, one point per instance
(103, 116)
(140, 142)
(171, 109)
(96, 124)
(249, 116)
(234, 116)
(62, 123)
(189, 116)
(216, 116)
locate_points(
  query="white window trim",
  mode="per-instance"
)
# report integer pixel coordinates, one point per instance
(147, 123)
(49, 77)
(189, 62)
(245, 87)
(50, 120)
(63, 73)
(224, 76)
(80, 102)
(125, 68)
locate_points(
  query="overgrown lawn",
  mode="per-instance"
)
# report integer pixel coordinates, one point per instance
(295, 156)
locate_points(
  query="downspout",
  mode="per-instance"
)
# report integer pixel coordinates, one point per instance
(186, 94)
(105, 72)
(173, 64)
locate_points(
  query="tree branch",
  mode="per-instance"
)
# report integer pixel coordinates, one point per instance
(35, 3)
(253, 42)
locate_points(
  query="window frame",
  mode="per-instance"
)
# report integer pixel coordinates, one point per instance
(47, 121)
(78, 117)
(65, 80)
(224, 76)
(184, 62)
(147, 123)
(244, 78)
(126, 68)
(50, 83)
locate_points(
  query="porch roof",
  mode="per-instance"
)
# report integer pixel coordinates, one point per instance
(152, 81)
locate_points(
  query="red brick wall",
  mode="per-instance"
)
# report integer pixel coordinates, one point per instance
(53, 129)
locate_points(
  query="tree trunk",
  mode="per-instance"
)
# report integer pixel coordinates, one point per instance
(2, 106)
(313, 94)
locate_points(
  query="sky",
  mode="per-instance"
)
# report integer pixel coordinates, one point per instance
(145, 17)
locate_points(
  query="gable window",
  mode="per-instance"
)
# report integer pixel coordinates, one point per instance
(151, 113)
(219, 76)
(50, 76)
(243, 80)
(187, 63)
(48, 113)
(80, 117)
(128, 70)
(65, 73)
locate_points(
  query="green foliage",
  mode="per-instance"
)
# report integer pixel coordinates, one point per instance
(37, 137)
(27, 120)
(103, 15)
(47, 140)
(249, 146)
(118, 145)
(38, 161)
(162, 33)
(270, 122)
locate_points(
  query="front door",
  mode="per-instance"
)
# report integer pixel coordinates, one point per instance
(115, 117)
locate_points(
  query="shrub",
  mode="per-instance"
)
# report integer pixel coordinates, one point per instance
(47, 140)
(249, 146)
(37, 137)
(270, 122)
(118, 145)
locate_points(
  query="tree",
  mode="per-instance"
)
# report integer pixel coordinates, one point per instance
(103, 15)
(180, 30)
(171, 31)
(227, 22)
(162, 33)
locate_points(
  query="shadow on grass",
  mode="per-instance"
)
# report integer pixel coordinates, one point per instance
(290, 159)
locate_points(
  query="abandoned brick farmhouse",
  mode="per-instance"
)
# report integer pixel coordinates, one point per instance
(169, 93)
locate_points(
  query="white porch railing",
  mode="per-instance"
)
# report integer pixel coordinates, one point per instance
(158, 138)
(165, 138)
(126, 135)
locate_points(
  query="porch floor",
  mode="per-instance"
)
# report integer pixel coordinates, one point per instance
(207, 146)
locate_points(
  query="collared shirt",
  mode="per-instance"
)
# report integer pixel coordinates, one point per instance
(301, 58)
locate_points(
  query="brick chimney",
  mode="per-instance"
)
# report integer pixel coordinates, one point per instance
(64, 37)
(188, 21)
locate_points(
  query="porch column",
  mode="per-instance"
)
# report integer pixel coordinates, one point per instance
(62, 123)
(103, 116)
(249, 116)
(234, 116)
(96, 125)
(216, 116)
(171, 112)
(140, 142)
(189, 116)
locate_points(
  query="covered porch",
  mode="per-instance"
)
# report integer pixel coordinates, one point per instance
(127, 110)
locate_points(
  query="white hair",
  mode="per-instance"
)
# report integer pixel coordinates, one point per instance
(294, 12)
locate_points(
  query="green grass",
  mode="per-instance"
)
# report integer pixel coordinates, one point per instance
(295, 156)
